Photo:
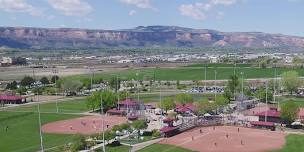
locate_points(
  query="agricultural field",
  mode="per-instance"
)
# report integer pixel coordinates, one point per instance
(187, 73)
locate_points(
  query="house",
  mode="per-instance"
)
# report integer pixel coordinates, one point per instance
(213, 59)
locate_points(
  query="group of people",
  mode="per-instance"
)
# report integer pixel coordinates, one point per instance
(215, 143)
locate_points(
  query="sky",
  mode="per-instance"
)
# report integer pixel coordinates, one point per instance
(271, 16)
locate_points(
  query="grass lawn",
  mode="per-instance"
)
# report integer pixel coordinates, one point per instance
(294, 143)
(23, 131)
(154, 97)
(163, 148)
(70, 106)
(298, 100)
(187, 73)
(136, 141)
(222, 65)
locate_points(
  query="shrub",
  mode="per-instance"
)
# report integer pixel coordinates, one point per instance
(156, 133)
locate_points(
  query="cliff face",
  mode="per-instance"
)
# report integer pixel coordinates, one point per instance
(18, 37)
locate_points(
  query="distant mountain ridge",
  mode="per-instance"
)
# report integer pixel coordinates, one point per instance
(141, 36)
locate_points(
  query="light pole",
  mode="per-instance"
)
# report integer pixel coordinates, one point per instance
(205, 79)
(215, 90)
(242, 85)
(92, 72)
(274, 84)
(55, 71)
(39, 121)
(102, 124)
(266, 101)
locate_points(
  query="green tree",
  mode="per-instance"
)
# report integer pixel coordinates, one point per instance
(261, 94)
(115, 83)
(54, 78)
(27, 81)
(228, 94)
(291, 81)
(12, 85)
(183, 98)
(21, 90)
(108, 100)
(233, 84)
(204, 107)
(71, 85)
(221, 101)
(78, 143)
(44, 80)
(289, 111)
(139, 124)
(109, 135)
(167, 104)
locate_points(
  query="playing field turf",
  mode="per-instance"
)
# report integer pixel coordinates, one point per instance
(297, 100)
(22, 134)
(189, 73)
(69, 106)
(163, 148)
(294, 143)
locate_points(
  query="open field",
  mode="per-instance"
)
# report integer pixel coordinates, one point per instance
(298, 100)
(69, 106)
(23, 131)
(247, 140)
(187, 73)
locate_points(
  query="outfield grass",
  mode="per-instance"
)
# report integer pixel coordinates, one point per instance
(69, 106)
(187, 73)
(23, 131)
(294, 143)
(297, 100)
(162, 148)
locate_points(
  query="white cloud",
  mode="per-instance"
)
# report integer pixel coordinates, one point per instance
(195, 11)
(138, 3)
(220, 15)
(198, 11)
(19, 6)
(71, 7)
(223, 2)
(132, 13)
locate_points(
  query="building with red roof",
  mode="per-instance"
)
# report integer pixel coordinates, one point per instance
(11, 99)
(183, 108)
(273, 115)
